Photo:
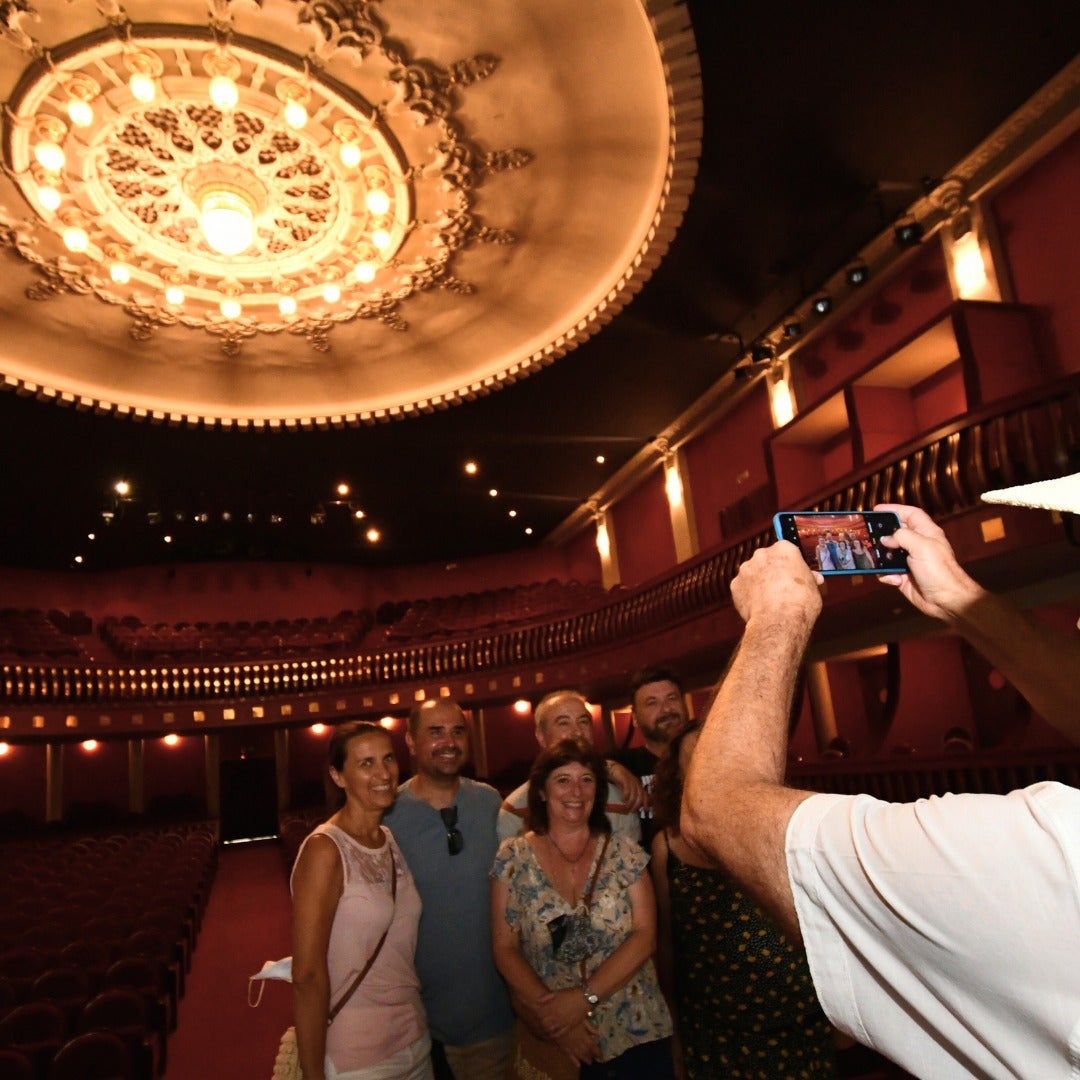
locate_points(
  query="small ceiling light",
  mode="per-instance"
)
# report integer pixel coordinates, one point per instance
(331, 292)
(167, 538)
(79, 559)
(342, 490)
(373, 536)
(287, 305)
(144, 69)
(120, 273)
(359, 515)
(600, 459)
(224, 69)
(90, 745)
(792, 329)
(230, 307)
(48, 152)
(75, 239)
(49, 197)
(511, 513)
(122, 488)
(174, 295)
(5, 749)
(857, 275)
(387, 722)
(377, 201)
(226, 216)
(822, 305)
(171, 739)
(493, 492)
(365, 272)
(350, 155)
(522, 707)
(528, 530)
(224, 93)
(381, 239)
(317, 729)
(91, 536)
(294, 96)
(908, 232)
(471, 468)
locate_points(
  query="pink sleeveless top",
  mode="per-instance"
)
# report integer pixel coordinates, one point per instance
(384, 1015)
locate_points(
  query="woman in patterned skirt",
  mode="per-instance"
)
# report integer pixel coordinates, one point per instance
(741, 994)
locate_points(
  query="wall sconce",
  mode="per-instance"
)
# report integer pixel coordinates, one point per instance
(781, 400)
(603, 540)
(673, 482)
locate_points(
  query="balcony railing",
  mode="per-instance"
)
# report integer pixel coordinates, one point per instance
(1035, 437)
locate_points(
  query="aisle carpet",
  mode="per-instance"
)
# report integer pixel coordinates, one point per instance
(247, 921)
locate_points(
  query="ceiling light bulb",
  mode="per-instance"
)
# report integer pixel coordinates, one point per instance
(528, 530)
(381, 239)
(373, 536)
(120, 273)
(224, 93)
(49, 155)
(287, 305)
(331, 292)
(359, 515)
(174, 295)
(471, 468)
(378, 202)
(342, 490)
(295, 115)
(122, 488)
(49, 198)
(230, 307)
(142, 87)
(365, 272)
(75, 239)
(349, 153)
(80, 112)
(227, 217)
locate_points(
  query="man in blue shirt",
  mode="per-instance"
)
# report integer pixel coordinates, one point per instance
(445, 825)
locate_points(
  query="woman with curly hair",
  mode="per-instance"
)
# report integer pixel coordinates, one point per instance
(740, 992)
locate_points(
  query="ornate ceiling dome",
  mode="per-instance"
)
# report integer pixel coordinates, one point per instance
(323, 213)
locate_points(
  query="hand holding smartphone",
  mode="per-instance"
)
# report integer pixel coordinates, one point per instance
(844, 542)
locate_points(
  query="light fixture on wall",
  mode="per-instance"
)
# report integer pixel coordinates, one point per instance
(964, 243)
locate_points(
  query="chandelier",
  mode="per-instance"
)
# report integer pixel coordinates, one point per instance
(200, 177)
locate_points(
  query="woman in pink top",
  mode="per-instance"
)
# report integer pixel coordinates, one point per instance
(342, 904)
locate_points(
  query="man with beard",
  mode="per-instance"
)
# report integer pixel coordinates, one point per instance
(444, 824)
(659, 710)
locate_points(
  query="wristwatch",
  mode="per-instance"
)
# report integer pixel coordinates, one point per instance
(592, 999)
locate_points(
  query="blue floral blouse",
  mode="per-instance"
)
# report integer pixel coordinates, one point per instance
(635, 1014)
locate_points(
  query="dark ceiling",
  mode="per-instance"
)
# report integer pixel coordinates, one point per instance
(822, 121)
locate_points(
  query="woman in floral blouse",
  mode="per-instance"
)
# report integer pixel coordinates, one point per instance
(574, 925)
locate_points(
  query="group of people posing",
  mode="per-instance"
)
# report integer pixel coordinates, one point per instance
(527, 937)
(844, 551)
(596, 923)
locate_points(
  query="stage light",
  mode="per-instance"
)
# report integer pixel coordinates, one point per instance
(822, 305)
(792, 329)
(908, 232)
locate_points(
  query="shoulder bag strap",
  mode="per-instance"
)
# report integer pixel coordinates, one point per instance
(589, 894)
(378, 948)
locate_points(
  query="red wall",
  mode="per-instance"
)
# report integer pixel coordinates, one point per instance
(642, 534)
(96, 776)
(22, 780)
(1040, 231)
(171, 771)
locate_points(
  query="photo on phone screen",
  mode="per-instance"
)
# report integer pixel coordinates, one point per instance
(845, 542)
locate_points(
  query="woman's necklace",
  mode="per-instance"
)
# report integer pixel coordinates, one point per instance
(571, 862)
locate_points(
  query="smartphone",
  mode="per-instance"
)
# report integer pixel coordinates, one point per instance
(843, 542)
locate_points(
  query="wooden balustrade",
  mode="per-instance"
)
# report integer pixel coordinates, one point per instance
(1036, 437)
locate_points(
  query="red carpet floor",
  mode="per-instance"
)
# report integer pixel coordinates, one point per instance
(247, 922)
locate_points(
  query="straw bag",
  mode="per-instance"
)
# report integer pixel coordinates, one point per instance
(287, 1062)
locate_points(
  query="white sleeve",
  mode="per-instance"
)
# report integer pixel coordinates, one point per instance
(946, 932)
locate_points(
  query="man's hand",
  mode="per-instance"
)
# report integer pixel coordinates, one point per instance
(580, 1044)
(935, 583)
(533, 1011)
(633, 792)
(777, 581)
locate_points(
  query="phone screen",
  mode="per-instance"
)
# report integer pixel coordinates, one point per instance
(844, 542)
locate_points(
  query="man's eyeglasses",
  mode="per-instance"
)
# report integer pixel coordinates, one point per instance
(454, 840)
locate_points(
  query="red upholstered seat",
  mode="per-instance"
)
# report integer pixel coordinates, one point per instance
(97, 1055)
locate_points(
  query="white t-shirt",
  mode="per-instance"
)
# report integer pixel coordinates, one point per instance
(946, 933)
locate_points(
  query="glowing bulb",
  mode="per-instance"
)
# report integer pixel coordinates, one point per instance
(120, 273)
(493, 492)
(342, 490)
(969, 269)
(230, 307)
(349, 153)
(142, 87)
(90, 745)
(121, 487)
(171, 740)
(224, 93)
(49, 198)
(75, 239)
(5, 748)
(387, 722)
(673, 485)
(227, 219)
(521, 707)
(317, 729)
(49, 155)
(603, 541)
(331, 292)
(365, 272)
(359, 515)
(295, 115)
(174, 295)
(783, 405)
(378, 202)
(373, 536)
(381, 239)
(471, 468)
(287, 305)
(80, 112)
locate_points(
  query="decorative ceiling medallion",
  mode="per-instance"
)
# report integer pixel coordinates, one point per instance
(229, 206)
(343, 213)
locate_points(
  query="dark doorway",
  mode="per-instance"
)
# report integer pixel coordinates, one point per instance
(248, 798)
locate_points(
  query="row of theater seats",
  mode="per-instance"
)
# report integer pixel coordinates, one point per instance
(96, 939)
(130, 639)
(421, 620)
(32, 633)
